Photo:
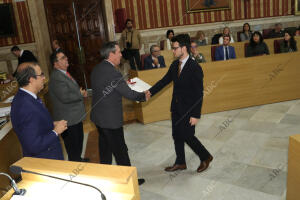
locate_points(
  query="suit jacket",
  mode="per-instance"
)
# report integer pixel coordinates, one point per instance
(219, 54)
(108, 87)
(66, 98)
(27, 56)
(148, 62)
(34, 127)
(187, 88)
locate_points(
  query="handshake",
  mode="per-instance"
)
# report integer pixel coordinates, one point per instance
(147, 94)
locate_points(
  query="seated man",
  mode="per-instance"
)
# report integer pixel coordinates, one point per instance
(225, 52)
(277, 31)
(155, 60)
(195, 54)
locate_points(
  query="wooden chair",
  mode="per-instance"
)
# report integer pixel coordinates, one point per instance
(143, 56)
(277, 45)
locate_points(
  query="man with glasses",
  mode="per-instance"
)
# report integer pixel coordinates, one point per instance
(37, 132)
(187, 78)
(195, 54)
(155, 60)
(68, 103)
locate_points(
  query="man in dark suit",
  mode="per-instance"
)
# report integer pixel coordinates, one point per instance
(55, 46)
(155, 60)
(23, 56)
(68, 104)
(225, 52)
(37, 132)
(109, 87)
(187, 77)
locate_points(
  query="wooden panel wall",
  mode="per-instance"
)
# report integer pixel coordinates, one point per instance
(148, 14)
(23, 25)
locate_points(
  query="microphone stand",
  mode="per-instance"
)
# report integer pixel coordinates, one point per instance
(14, 185)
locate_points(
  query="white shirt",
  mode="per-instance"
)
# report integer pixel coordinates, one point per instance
(225, 52)
(183, 62)
(35, 97)
(168, 44)
(22, 51)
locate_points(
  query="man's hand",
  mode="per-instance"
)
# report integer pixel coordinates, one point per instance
(83, 92)
(155, 61)
(60, 126)
(193, 121)
(147, 94)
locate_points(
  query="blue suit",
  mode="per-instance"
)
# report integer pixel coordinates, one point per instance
(34, 127)
(219, 54)
(148, 62)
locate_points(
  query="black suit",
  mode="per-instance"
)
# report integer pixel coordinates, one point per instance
(186, 102)
(26, 56)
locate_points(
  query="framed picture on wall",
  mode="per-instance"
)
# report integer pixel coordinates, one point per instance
(207, 5)
(297, 7)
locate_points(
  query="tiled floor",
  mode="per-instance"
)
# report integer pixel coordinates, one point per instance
(250, 155)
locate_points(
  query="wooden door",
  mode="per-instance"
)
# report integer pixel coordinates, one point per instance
(79, 26)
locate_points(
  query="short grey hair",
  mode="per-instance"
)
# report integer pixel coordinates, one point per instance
(107, 48)
(152, 47)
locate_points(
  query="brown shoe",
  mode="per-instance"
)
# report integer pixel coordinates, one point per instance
(175, 167)
(204, 164)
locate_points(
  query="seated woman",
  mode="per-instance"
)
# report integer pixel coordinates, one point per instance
(288, 44)
(195, 54)
(226, 31)
(201, 40)
(257, 46)
(167, 42)
(246, 34)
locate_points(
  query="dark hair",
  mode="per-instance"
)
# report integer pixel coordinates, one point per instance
(168, 32)
(226, 36)
(183, 40)
(53, 57)
(128, 20)
(291, 42)
(261, 39)
(107, 48)
(25, 73)
(15, 48)
(152, 47)
(244, 27)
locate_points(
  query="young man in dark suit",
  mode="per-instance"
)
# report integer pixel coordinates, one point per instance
(37, 132)
(155, 60)
(225, 52)
(187, 78)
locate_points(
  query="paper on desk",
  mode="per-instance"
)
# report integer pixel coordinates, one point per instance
(4, 111)
(9, 99)
(139, 85)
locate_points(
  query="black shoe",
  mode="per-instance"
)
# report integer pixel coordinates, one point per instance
(141, 181)
(85, 160)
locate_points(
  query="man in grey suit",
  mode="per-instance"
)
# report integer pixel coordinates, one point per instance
(67, 101)
(109, 87)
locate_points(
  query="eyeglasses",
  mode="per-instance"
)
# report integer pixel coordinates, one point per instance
(193, 46)
(62, 58)
(156, 51)
(175, 48)
(42, 74)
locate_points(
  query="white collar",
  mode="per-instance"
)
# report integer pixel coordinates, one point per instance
(63, 71)
(28, 92)
(184, 61)
(22, 51)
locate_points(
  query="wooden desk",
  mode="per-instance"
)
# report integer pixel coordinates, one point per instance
(293, 179)
(116, 182)
(231, 84)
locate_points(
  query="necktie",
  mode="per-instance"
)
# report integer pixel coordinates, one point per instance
(226, 53)
(69, 75)
(179, 68)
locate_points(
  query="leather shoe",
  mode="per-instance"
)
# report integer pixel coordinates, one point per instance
(204, 164)
(141, 181)
(175, 167)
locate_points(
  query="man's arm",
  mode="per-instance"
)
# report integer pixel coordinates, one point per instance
(162, 63)
(233, 53)
(162, 83)
(197, 82)
(148, 63)
(217, 54)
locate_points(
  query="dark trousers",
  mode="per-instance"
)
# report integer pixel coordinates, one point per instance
(112, 142)
(183, 132)
(73, 139)
(134, 57)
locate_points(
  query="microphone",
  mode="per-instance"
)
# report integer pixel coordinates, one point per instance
(17, 170)
(14, 185)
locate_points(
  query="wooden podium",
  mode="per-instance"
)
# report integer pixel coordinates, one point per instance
(115, 182)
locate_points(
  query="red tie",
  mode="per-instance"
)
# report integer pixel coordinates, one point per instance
(179, 68)
(69, 75)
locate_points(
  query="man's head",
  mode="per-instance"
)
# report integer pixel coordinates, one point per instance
(278, 27)
(55, 44)
(194, 47)
(129, 24)
(30, 76)
(111, 52)
(226, 40)
(16, 51)
(59, 60)
(155, 50)
(181, 45)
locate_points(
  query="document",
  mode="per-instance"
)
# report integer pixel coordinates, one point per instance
(138, 85)
(4, 111)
